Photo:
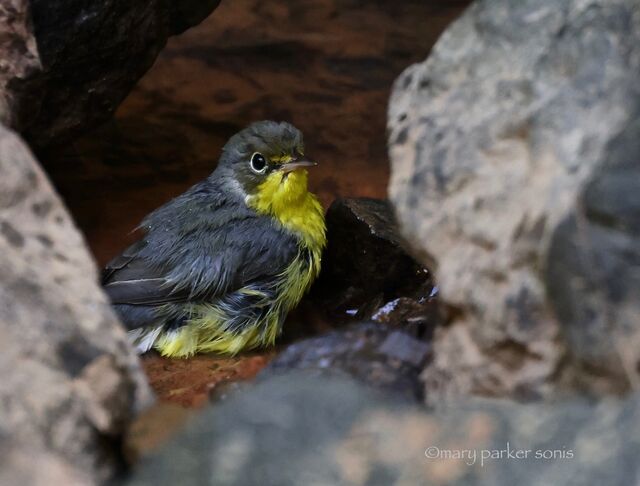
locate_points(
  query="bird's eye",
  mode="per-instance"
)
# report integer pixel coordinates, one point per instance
(258, 163)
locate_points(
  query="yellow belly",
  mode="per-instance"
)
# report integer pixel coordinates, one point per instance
(205, 331)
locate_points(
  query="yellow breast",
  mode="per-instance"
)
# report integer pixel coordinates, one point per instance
(286, 198)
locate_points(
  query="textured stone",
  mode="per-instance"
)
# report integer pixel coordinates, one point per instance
(17, 467)
(71, 383)
(593, 267)
(71, 63)
(366, 264)
(306, 429)
(377, 355)
(511, 172)
(18, 51)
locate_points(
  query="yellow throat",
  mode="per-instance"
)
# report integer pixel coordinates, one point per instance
(286, 198)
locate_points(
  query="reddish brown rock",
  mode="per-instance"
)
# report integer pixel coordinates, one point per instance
(190, 382)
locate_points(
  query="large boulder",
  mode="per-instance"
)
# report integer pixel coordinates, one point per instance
(309, 429)
(515, 152)
(72, 62)
(70, 382)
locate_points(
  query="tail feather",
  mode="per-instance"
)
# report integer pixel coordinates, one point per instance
(143, 339)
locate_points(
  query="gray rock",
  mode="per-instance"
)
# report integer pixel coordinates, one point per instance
(510, 170)
(70, 382)
(72, 62)
(593, 268)
(306, 429)
(381, 357)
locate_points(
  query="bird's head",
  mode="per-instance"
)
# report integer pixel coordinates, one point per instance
(267, 160)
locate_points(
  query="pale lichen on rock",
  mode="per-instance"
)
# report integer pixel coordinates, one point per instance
(71, 382)
(494, 141)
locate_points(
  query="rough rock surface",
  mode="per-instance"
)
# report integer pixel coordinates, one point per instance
(71, 63)
(306, 429)
(593, 267)
(375, 354)
(514, 167)
(70, 382)
(17, 50)
(17, 467)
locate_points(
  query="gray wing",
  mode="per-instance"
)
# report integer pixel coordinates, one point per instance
(195, 248)
(130, 279)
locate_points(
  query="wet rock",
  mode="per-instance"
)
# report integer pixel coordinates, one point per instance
(307, 429)
(375, 354)
(417, 316)
(365, 265)
(510, 170)
(71, 383)
(88, 57)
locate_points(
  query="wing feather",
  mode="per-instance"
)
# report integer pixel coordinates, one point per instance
(195, 249)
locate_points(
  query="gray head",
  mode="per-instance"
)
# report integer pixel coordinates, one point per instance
(261, 150)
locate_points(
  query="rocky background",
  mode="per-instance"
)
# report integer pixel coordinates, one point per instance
(489, 307)
(71, 383)
(514, 149)
(327, 66)
(73, 62)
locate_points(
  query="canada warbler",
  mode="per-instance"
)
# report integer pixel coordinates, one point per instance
(219, 267)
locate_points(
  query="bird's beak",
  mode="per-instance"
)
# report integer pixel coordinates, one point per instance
(296, 164)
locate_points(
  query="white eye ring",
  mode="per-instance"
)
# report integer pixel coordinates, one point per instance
(258, 163)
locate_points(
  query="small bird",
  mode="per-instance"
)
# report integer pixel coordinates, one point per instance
(219, 267)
